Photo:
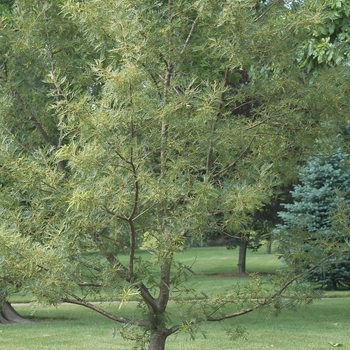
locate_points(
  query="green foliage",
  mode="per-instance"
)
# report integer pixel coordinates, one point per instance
(5, 6)
(320, 200)
(330, 34)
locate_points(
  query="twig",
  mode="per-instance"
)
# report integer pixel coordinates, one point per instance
(189, 35)
(267, 10)
(237, 159)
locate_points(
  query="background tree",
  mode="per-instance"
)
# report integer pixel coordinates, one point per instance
(329, 38)
(324, 184)
(132, 141)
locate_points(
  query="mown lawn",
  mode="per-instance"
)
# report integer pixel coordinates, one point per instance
(74, 328)
(215, 269)
(71, 327)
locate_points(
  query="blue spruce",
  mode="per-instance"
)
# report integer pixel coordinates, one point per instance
(324, 185)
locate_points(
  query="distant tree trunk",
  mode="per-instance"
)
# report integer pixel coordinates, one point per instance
(243, 245)
(269, 246)
(9, 315)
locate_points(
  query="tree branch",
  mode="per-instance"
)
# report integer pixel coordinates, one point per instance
(267, 10)
(237, 159)
(189, 35)
(164, 285)
(81, 302)
(41, 130)
(209, 161)
(90, 284)
(269, 299)
(25, 147)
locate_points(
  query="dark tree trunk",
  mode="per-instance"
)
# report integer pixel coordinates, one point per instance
(9, 315)
(157, 340)
(243, 245)
(269, 247)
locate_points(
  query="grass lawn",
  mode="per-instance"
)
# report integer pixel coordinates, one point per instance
(215, 269)
(71, 327)
(74, 328)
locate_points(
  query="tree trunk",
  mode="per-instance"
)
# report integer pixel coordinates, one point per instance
(269, 247)
(9, 315)
(157, 340)
(243, 245)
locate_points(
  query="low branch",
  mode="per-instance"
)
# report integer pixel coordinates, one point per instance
(120, 319)
(269, 299)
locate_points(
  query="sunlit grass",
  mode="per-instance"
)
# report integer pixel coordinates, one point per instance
(75, 328)
(215, 269)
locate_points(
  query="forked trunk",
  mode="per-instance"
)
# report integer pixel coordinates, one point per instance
(157, 340)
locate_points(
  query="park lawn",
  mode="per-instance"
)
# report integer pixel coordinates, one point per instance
(220, 260)
(215, 269)
(71, 327)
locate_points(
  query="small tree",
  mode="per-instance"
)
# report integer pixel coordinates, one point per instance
(323, 190)
(122, 134)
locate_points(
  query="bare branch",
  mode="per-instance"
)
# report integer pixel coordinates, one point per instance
(79, 301)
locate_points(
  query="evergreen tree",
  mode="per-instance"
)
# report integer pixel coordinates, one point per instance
(322, 192)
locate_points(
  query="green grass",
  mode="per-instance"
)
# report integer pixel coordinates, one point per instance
(75, 328)
(219, 260)
(70, 327)
(215, 269)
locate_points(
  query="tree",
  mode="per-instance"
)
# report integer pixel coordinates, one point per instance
(134, 143)
(34, 52)
(261, 226)
(324, 183)
(329, 38)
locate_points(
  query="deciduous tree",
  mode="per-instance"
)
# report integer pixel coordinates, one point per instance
(126, 133)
